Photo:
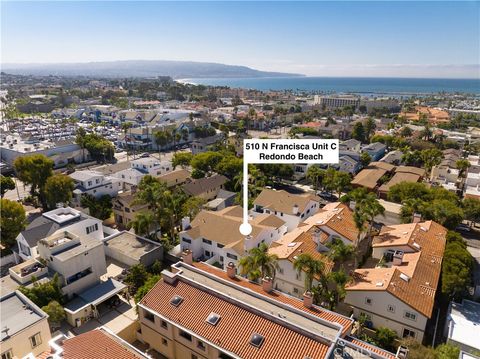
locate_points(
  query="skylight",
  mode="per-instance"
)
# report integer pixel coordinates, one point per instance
(176, 300)
(257, 340)
(213, 318)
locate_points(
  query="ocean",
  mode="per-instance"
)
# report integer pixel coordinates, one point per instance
(355, 85)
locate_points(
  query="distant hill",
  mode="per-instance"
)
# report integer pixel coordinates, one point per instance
(142, 68)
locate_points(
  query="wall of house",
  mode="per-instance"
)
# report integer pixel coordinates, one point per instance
(379, 314)
(20, 342)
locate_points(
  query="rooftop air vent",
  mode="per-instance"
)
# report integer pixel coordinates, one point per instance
(213, 318)
(176, 300)
(405, 277)
(257, 340)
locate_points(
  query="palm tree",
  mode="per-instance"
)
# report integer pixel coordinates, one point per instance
(143, 224)
(161, 140)
(125, 127)
(312, 268)
(259, 263)
(340, 252)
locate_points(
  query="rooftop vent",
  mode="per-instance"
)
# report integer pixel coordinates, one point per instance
(291, 244)
(379, 284)
(416, 245)
(405, 277)
(423, 229)
(213, 318)
(176, 300)
(257, 340)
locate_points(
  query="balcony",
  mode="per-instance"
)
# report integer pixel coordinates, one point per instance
(24, 272)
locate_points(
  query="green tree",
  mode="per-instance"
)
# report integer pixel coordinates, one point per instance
(462, 165)
(143, 224)
(310, 266)
(341, 181)
(192, 206)
(58, 189)
(259, 263)
(369, 126)
(365, 159)
(100, 148)
(445, 212)
(100, 208)
(145, 288)
(358, 132)
(339, 251)
(55, 312)
(182, 159)
(34, 170)
(407, 190)
(447, 351)
(206, 162)
(136, 277)
(13, 221)
(80, 140)
(406, 132)
(44, 293)
(125, 127)
(6, 184)
(385, 338)
(471, 209)
(315, 175)
(430, 158)
(457, 268)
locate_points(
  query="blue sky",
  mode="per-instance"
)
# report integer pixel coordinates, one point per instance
(418, 39)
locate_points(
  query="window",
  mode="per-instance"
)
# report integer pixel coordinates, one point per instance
(164, 324)
(176, 300)
(186, 240)
(206, 241)
(391, 308)
(280, 270)
(232, 256)
(164, 342)
(220, 245)
(35, 340)
(207, 254)
(368, 301)
(185, 335)
(201, 345)
(7, 355)
(411, 316)
(295, 290)
(213, 318)
(92, 228)
(224, 356)
(149, 316)
(89, 183)
(408, 333)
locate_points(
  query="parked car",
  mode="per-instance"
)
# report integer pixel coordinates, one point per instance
(463, 228)
(328, 196)
(145, 155)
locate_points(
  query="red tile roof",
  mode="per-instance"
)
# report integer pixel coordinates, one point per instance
(97, 344)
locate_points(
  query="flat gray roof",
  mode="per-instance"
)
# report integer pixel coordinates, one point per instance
(17, 313)
(131, 245)
(86, 243)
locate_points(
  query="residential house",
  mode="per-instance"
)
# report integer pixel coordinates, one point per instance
(125, 209)
(399, 293)
(151, 166)
(206, 187)
(129, 177)
(350, 145)
(60, 219)
(78, 260)
(200, 145)
(100, 343)
(25, 329)
(175, 178)
(370, 176)
(95, 184)
(334, 221)
(401, 174)
(224, 199)
(129, 249)
(215, 235)
(376, 150)
(445, 176)
(348, 164)
(290, 208)
(393, 157)
(472, 183)
(461, 327)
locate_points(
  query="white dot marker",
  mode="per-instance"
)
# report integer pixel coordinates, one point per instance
(245, 228)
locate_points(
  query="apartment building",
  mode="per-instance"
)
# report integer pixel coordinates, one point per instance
(60, 219)
(25, 330)
(215, 235)
(334, 221)
(336, 101)
(461, 327)
(199, 311)
(100, 343)
(290, 208)
(95, 184)
(78, 260)
(399, 293)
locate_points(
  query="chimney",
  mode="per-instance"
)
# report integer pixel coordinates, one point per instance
(316, 236)
(308, 299)
(352, 205)
(267, 284)
(397, 258)
(187, 256)
(231, 270)
(417, 217)
(185, 223)
(295, 210)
